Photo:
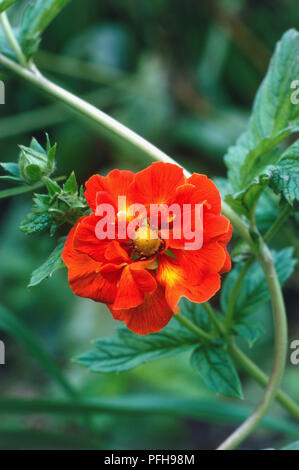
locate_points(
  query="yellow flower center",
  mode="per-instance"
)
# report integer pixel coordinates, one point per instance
(147, 241)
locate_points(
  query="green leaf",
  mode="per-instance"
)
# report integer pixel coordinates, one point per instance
(35, 223)
(217, 370)
(223, 186)
(52, 264)
(273, 118)
(128, 350)
(250, 331)
(254, 292)
(284, 178)
(38, 15)
(4, 4)
(14, 327)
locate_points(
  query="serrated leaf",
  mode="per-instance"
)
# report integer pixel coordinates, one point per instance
(38, 15)
(284, 178)
(4, 4)
(52, 264)
(244, 202)
(217, 370)
(254, 292)
(250, 331)
(35, 223)
(273, 118)
(127, 350)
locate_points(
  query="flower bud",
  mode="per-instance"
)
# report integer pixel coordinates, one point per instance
(35, 162)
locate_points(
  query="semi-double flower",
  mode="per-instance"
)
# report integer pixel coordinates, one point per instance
(142, 278)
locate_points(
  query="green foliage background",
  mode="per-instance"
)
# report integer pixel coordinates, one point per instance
(183, 75)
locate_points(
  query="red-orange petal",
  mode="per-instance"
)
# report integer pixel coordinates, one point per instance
(85, 239)
(116, 183)
(84, 274)
(134, 283)
(149, 317)
(214, 226)
(207, 190)
(156, 184)
(193, 274)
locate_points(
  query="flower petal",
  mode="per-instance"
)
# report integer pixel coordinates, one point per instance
(207, 191)
(149, 317)
(84, 274)
(214, 226)
(116, 183)
(193, 274)
(156, 184)
(85, 239)
(134, 283)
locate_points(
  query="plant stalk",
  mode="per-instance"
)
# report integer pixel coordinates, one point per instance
(280, 352)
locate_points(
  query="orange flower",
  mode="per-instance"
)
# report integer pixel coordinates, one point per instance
(142, 278)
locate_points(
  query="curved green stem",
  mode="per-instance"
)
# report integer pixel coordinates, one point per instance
(194, 328)
(286, 211)
(90, 111)
(282, 217)
(248, 366)
(280, 352)
(234, 293)
(11, 39)
(212, 315)
(254, 371)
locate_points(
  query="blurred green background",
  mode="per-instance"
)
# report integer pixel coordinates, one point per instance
(183, 74)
